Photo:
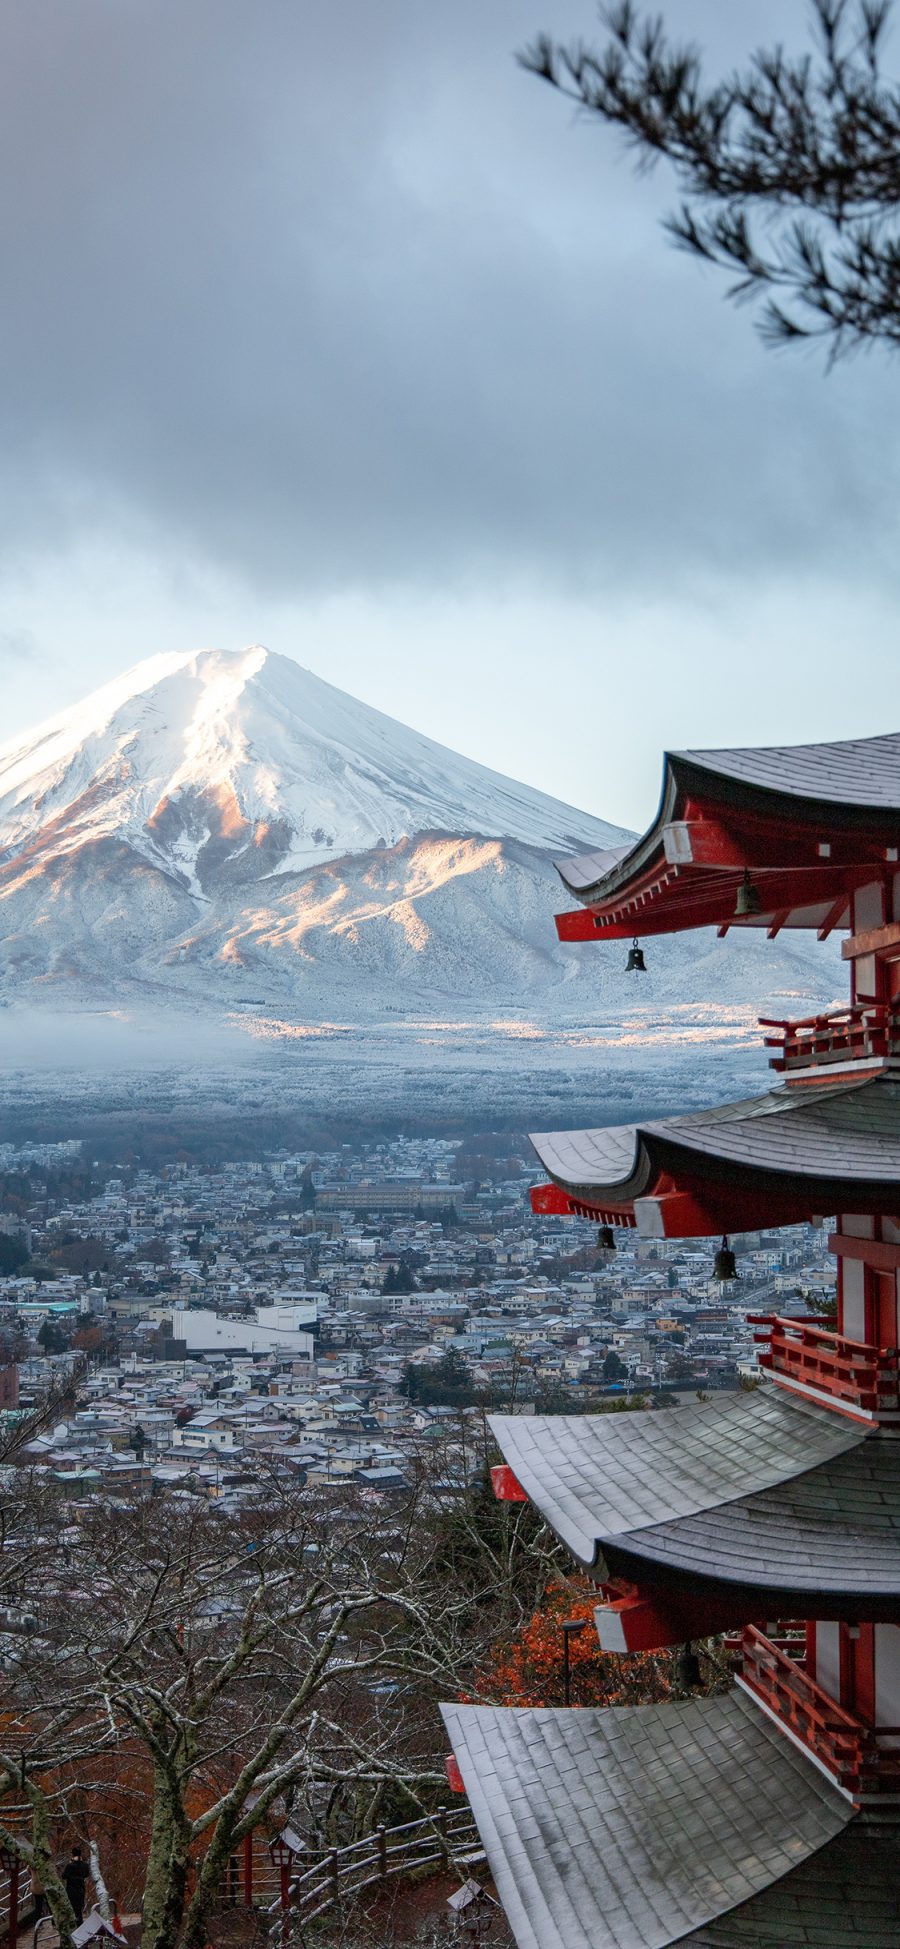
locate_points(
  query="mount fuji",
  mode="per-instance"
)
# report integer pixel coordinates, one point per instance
(224, 830)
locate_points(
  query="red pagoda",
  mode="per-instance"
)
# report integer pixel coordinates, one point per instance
(768, 1816)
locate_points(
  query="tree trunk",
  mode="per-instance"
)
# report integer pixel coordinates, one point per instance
(46, 1871)
(210, 1881)
(165, 1882)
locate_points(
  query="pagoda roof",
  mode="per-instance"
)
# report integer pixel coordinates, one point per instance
(852, 774)
(842, 1897)
(631, 1827)
(758, 1491)
(795, 1150)
(808, 822)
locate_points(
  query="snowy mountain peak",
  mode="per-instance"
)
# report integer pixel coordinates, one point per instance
(242, 763)
(225, 831)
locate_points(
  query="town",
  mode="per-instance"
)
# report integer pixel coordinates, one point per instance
(328, 1312)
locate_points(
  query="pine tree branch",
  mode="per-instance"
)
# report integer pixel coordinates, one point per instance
(789, 170)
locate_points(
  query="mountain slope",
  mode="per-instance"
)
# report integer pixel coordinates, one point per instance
(222, 767)
(225, 828)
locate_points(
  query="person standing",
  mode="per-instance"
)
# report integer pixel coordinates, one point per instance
(75, 1878)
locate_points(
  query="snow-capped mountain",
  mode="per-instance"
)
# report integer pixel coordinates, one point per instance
(240, 765)
(221, 828)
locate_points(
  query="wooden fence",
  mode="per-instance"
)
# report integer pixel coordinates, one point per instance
(447, 1839)
(9, 1924)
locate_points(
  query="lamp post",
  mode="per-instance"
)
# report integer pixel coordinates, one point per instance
(283, 1850)
(572, 1628)
(11, 1865)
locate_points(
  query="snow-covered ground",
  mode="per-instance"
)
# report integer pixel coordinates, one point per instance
(62, 1075)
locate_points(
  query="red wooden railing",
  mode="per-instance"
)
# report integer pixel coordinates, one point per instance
(861, 1031)
(802, 1350)
(862, 1759)
(20, 1885)
(793, 1647)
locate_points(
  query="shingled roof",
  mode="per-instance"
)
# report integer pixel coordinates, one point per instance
(809, 1144)
(851, 772)
(814, 794)
(761, 1490)
(843, 1897)
(627, 1828)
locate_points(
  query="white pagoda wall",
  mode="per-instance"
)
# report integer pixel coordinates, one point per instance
(887, 1675)
(828, 1659)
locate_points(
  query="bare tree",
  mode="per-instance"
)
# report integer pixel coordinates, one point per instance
(193, 1676)
(790, 168)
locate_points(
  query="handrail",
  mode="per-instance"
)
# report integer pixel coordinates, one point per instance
(389, 1851)
(809, 1322)
(24, 1896)
(853, 1371)
(856, 1754)
(859, 1029)
(849, 1012)
(821, 1704)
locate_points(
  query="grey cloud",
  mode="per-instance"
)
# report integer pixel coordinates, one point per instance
(335, 296)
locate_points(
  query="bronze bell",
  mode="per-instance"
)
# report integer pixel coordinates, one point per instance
(748, 900)
(635, 963)
(606, 1239)
(687, 1669)
(725, 1266)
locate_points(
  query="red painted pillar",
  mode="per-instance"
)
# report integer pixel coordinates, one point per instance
(285, 1904)
(14, 1873)
(248, 1869)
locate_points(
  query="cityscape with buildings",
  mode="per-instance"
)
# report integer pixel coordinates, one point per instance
(328, 1312)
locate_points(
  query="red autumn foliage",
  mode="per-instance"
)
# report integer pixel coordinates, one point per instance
(527, 1669)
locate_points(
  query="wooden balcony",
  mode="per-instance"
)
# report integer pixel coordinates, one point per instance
(863, 1032)
(813, 1356)
(863, 1760)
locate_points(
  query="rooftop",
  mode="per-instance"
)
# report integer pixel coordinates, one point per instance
(627, 1828)
(758, 1488)
(799, 1150)
(809, 822)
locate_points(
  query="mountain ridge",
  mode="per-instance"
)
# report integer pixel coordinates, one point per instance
(197, 759)
(221, 822)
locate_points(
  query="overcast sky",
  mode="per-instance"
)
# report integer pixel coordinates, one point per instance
(324, 325)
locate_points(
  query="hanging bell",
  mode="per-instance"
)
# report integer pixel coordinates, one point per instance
(687, 1669)
(635, 963)
(725, 1266)
(748, 900)
(606, 1239)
